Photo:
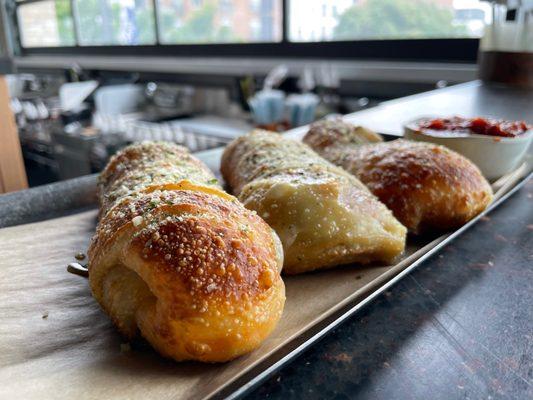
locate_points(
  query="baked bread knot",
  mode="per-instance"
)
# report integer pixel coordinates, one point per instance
(190, 269)
(324, 216)
(336, 132)
(149, 164)
(428, 187)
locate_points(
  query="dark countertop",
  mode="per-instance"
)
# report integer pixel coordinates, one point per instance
(458, 327)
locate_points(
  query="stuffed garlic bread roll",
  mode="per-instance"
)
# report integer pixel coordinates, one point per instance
(428, 187)
(323, 216)
(180, 262)
(149, 165)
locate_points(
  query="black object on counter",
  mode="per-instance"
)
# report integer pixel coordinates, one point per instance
(48, 201)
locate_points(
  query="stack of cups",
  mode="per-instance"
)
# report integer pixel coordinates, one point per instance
(301, 108)
(268, 106)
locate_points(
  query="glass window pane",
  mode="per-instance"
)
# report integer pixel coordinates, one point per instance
(115, 22)
(3, 45)
(46, 24)
(219, 21)
(325, 20)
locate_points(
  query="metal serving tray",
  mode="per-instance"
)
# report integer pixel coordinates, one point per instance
(56, 342)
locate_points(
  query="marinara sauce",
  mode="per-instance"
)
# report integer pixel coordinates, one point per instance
(479, 126)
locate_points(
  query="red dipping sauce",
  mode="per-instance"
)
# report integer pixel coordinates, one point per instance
(479, 126)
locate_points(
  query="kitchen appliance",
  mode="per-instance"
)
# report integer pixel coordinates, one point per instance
(506, 48)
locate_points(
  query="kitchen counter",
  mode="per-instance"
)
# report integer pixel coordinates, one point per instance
(459, 326)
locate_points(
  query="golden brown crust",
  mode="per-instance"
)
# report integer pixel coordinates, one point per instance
(428, 187)
(336, 132)
(191, 269)
(250, 157)
(323, 215)
(143, 165)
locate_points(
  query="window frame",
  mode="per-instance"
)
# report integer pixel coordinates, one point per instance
(461, 50)
(15, 23)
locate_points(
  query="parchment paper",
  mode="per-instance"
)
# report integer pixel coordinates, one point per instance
(56, 343)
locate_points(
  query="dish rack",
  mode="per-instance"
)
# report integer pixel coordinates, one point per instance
(131, 129)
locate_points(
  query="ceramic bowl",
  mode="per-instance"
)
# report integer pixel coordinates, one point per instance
(495, 156)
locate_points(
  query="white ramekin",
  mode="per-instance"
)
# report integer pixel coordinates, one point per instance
(495, 156)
